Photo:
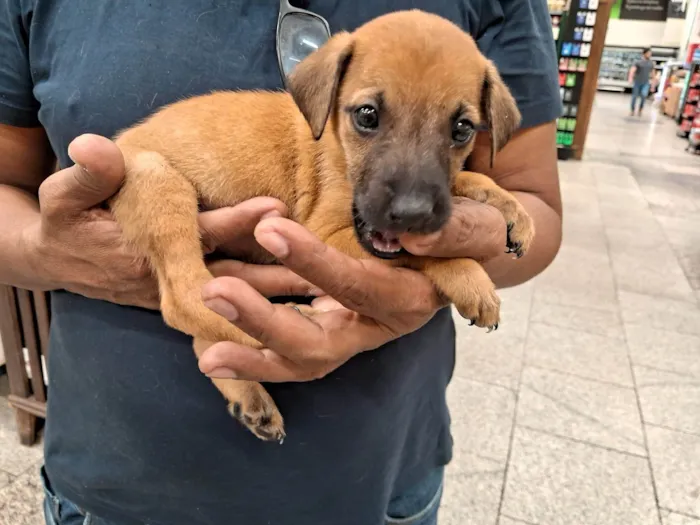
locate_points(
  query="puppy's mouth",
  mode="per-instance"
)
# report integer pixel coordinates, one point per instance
(382, 244)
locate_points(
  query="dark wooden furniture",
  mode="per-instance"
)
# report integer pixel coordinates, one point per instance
(24, 328)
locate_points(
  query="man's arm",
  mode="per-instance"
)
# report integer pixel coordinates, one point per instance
(27, 160)
(527, 167)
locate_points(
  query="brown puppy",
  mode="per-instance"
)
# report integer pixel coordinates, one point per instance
(369, 144)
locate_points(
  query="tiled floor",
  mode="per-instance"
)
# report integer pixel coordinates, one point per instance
(584, 408)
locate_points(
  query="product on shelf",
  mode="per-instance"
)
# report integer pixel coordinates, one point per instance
(556, 6)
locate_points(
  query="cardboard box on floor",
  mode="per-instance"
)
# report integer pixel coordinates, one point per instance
(672, 97)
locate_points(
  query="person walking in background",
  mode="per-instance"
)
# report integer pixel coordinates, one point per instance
(640, 76)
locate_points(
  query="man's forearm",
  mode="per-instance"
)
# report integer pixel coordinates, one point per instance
(504, 270)
(19, 212)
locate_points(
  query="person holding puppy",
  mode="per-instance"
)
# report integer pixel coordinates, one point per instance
(135, 434)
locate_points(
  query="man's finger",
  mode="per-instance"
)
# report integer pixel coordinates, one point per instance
(230, 360)
(274, 325)
(269, 280)
(330, 336)
(348, 335)
(230, 226)
(475, 230)
(96, 176)
(326, 303)
(362, 286)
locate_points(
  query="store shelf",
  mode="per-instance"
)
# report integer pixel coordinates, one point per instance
(576, 31)
(689, 118)
(617, 62)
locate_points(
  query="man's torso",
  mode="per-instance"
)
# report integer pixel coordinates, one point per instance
(135, 432)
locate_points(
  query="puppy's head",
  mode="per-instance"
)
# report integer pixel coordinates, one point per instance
(403, 95)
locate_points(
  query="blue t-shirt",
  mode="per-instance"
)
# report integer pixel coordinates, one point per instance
(135, 433)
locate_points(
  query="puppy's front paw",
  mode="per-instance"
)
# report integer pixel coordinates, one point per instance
(258, 413)
(481, 306)
(465, 283)
(521, 230)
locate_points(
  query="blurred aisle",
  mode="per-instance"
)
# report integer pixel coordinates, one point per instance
(584, 408)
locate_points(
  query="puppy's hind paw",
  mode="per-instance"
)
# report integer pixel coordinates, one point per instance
(259, 414)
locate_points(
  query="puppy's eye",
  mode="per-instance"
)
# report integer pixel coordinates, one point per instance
(462, 131)
(366, 118)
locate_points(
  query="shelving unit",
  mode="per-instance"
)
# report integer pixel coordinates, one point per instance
(689, 116)
(580, 29)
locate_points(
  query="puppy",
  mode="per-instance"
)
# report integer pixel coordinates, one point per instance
(368, 144)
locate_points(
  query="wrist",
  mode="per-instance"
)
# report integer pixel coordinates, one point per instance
(33, 260)
(494, 233)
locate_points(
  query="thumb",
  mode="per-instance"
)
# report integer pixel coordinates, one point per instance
(230, 227)
(96, 176)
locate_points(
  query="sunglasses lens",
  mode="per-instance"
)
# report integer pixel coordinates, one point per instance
(299, 36)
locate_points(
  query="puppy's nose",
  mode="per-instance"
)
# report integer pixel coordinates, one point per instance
(412, 211)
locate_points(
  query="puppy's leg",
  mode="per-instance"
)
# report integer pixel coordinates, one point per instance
(157, 211)
(345, 241)
(249, 403)
(478, 187)
(465, 283)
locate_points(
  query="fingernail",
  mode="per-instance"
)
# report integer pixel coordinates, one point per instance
(316, 292)
(222, 373)
(272, 214)
(222, 307)
(274, 243)
(77, 164)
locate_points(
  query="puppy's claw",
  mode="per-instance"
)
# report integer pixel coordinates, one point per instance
(260, 415)
(516, 248)
(484, 312)
(520, 234)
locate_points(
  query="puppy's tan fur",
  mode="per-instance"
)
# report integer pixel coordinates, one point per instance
(301, 148)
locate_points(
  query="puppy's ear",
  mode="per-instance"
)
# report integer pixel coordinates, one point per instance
(314, 83)
(499, 110)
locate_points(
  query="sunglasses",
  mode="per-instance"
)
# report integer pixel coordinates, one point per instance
(299, 33)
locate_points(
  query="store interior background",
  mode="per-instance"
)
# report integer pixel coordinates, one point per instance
(584, 408)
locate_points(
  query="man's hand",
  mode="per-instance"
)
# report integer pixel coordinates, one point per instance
(475, 231)
(368, 303)
(76, 245)
(372, 304)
